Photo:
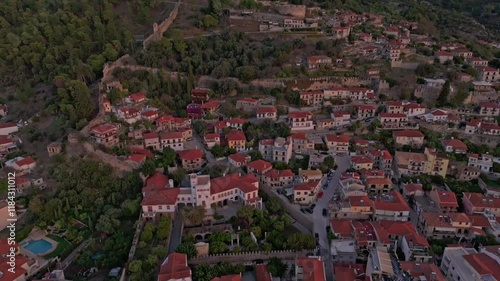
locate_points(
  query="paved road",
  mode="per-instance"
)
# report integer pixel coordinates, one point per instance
(321, 222)
(208, 155)
(69, 259)
(176, 234)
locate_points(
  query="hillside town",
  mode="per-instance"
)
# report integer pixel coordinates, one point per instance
(379, 162)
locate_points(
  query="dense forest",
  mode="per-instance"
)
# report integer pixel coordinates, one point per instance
(230, 54)
(89, 200)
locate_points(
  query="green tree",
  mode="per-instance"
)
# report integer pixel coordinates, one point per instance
(255, 155)
(274, 205)
(246, 212)
(148, 233)
(277, 267)
(148, 167)
(195, 215)
(444, 94)
(218, 151)
(187, 248)
(168, 156)
(164, 227)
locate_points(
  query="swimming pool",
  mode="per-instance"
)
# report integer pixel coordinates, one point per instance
(37, 247)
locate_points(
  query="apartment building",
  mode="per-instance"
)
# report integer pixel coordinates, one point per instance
(441, 226)
(191, 159)
(173, 140)
(446, 201)
(429, 163)
(306, 193)
(312, 98)
(354, 208)
(278, 150)
(300, 143)
(300, 121)
(393, 120)
(365, 111)
(479, 203)
(105, 134)
(489, 109)
(460, 263)
(392, 207)
(278, 178)
(483, 162)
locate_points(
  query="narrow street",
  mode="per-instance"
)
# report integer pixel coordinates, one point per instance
(321, 222)
(176, 233)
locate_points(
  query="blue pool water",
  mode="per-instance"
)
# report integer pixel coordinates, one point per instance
(37, 246)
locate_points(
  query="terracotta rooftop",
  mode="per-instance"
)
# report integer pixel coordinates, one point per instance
(455, 143)
(236, 135)
(299, 115)
(408, 134)
(446, 198)
(171, 135)
(174, 268)
(342, 227)
(190, 154)
(156, 181)
(259, 165)
(262, 272)
(212, 136)
(104, 129)
(483, 264)
(233, 277)
(148, 136)
(335, 138)
(312, 268)
(266, 109)
(361, 159)
(223, 184)
(479, 200)
(25, 161)
(236, 157)
(393, 202)
(393, 115)
(418, 269)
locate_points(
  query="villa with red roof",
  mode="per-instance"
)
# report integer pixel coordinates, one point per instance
(306, 193)
(278, 178)
(360, 162)
(175, 268)
(300, 142)
(267, 112)
(149, 115)
(24, 163)
(191, 159)
(488, 74)
(454, 145)
(105, 134)
(238, 160)
(413, 138)
(300, 121)
(259, 168)
(211, 140)
(200, 95)
(136, 97)
(152, 140)
(236, 140)
(413, 189)
(445, 200)
(419, 270)
(337, 143)
(440, 226)
(161, 198)
(8, 128)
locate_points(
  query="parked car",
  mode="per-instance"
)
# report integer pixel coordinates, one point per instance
(325, 186)
(316, 235)
(310, 211)
(325, 212)
(320, 194)
(313, 206)
(303, 210)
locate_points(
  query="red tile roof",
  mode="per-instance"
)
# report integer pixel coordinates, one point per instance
(211, 137)
(456, 144)
(259, 165)
(25, 161)
(236, 135)
(447, 199)
(174, 267)
(489, 105)
(171, 135)
(267, 142)
(307, 186)
(479, 200)
(262, 272)
(335, 138)
(413, 187)
(394, 103)
(266, 109)
(137, 96)
(156, 181)
(236, 157)
(166, 196)
(299, 115)
(349, 272)
(359, 201)
(277, 174)
(210, 105)
(249, 100)
(408, 134)
(237, 121)
(361, 159)
(5, 140)
(190, 154)
(417, 269)
(439, 112)
(223, 184)
(312, 269)
(234, 277)
(395, 202)
(393, 115)
(137, 150)
(138, 158)
(148, 136)
(164, 119)
(149, 113)
(483, 264)
(342, 227)
(104, 129)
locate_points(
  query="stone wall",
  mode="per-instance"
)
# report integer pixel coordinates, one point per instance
(159, 29)
(297, 11)
(405, 65)
(248, 257)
